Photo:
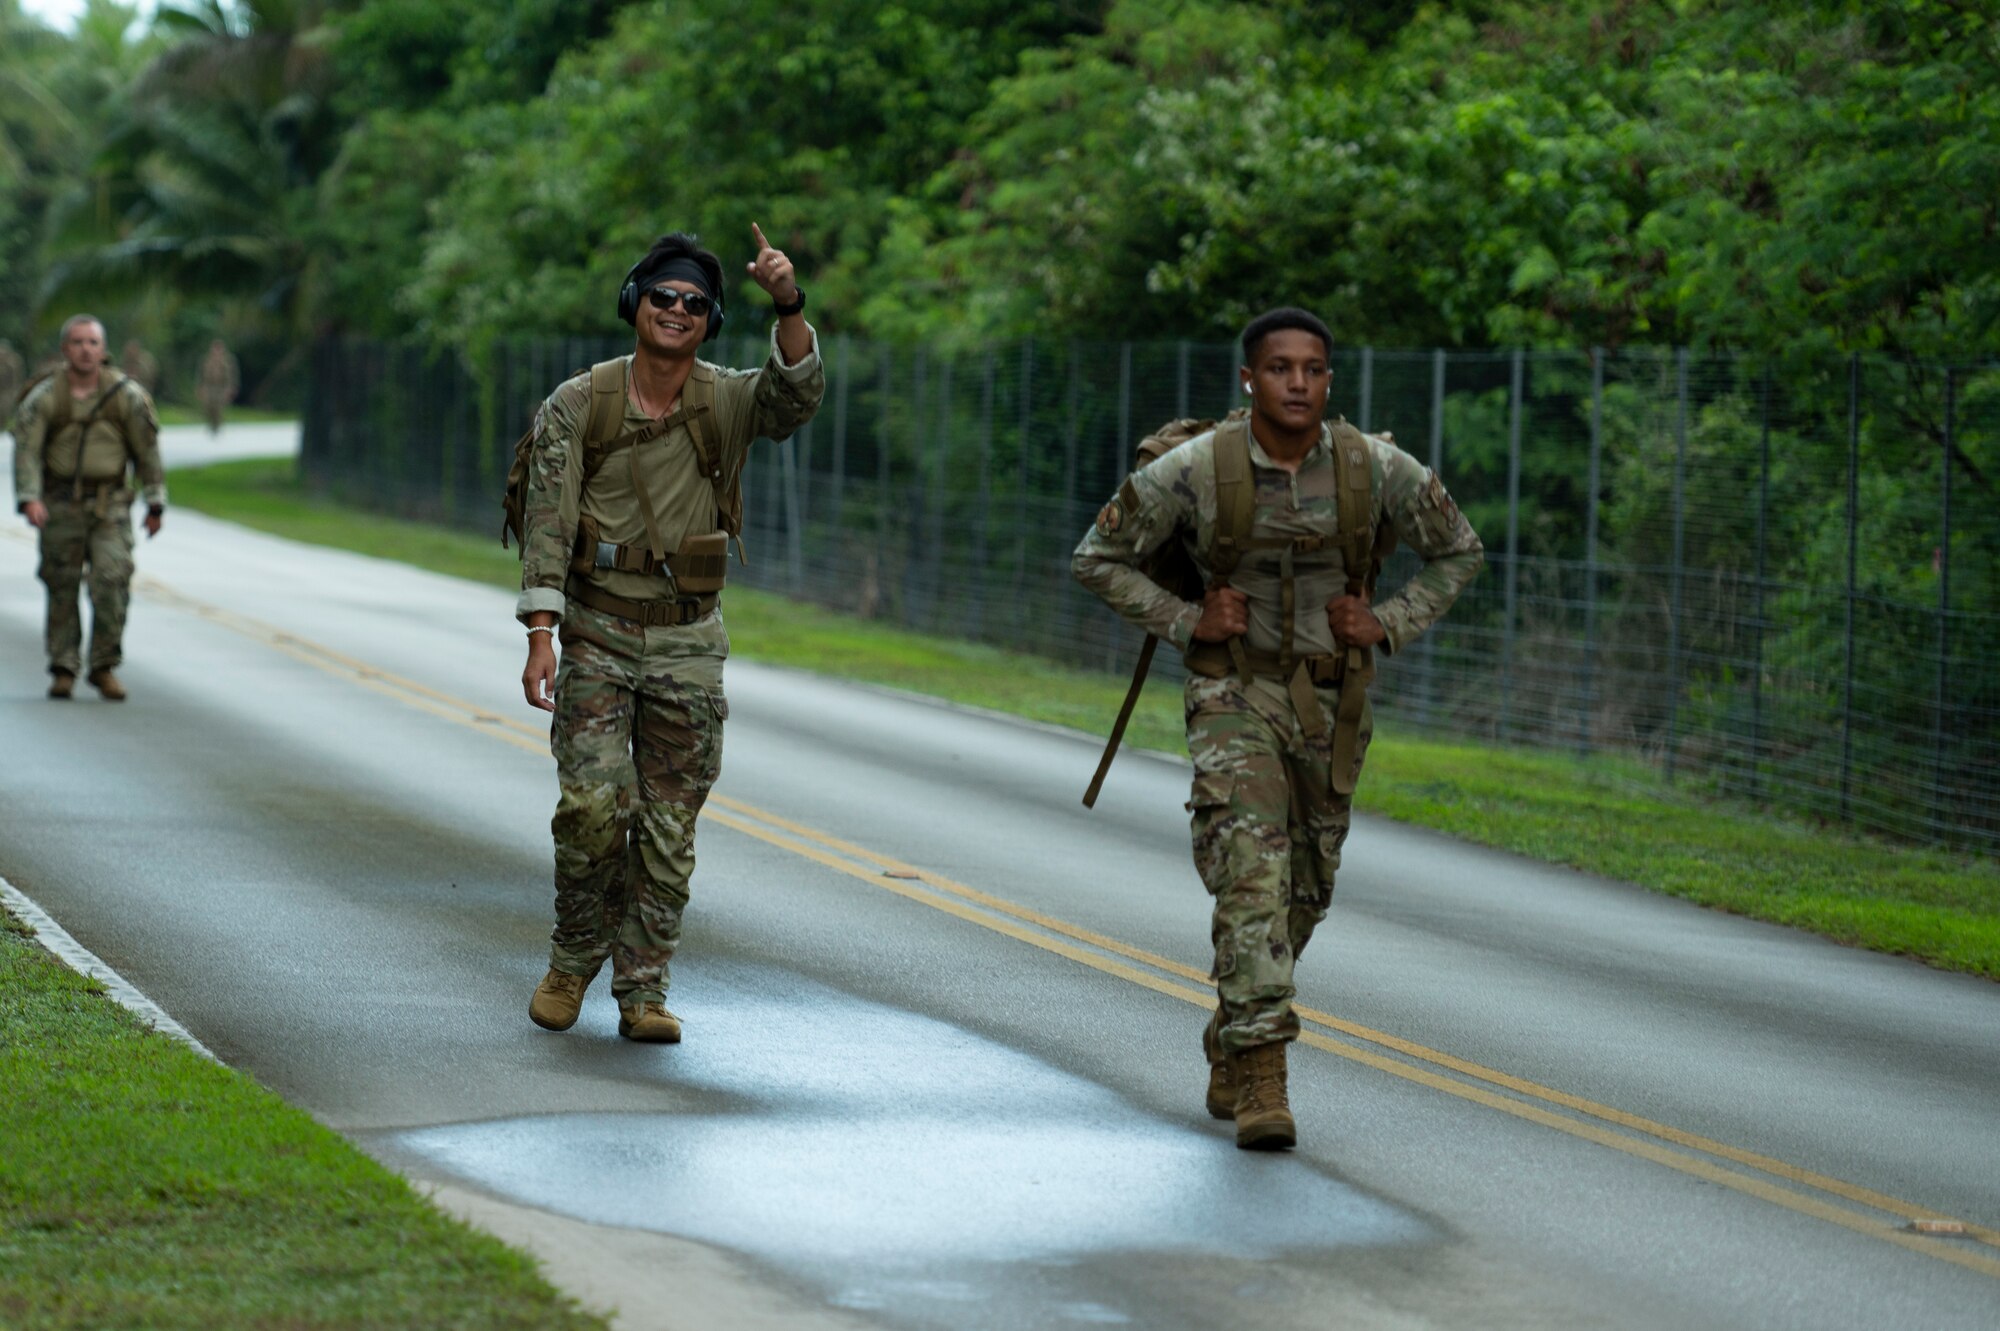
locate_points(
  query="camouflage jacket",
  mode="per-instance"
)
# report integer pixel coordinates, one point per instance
(52, 444)
(771, 402)
(1176, 501)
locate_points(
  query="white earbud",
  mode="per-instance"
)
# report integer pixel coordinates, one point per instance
(1246, 388)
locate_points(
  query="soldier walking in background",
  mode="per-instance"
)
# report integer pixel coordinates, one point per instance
(217, 383)
(78, 435)
(141, 365)
(12, 371)
(625, 564)
(1279, 655)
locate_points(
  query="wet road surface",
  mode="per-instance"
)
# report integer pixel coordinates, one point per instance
(941, 1065)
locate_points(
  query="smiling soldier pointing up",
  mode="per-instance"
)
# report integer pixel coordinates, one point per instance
(631, 495)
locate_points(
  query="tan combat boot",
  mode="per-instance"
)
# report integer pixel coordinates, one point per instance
(62, 684)
(649, 1022)
(1221, 1071)
(558, 999)
(1263, 1118)
(107, 685)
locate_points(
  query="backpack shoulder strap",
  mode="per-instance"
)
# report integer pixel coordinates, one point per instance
(1354, 497)
(1235, 498)
(607, 410)
(61, 404)
(698, 402)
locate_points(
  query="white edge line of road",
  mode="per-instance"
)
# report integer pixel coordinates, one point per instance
(85, 962)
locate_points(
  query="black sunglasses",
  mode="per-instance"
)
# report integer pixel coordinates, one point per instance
(696, 304)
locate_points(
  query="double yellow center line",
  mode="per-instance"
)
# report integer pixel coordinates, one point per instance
(1863, 1210)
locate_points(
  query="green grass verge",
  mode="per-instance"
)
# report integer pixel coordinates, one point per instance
(174, 413)
(1600, 815)
(143, 1186)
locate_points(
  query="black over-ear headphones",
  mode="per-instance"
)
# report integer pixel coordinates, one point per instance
(628, 303)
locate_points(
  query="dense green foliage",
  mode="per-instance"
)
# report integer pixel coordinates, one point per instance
(1798, 175)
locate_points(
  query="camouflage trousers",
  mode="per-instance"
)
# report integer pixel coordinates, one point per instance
(636, 752)
(1268, 828)
(79, 535)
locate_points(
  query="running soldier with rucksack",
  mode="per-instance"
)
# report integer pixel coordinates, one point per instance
(1253, 547)
(624, 495)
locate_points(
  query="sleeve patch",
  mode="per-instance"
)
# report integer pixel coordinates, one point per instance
(1110, 518)
(1441, 501)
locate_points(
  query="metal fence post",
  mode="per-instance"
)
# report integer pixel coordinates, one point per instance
(795, 555)
(1590, 499)
(1124, 397)
(940, 471)
(1514, 396)
(1181, 383)
(1067, 631)
(1427, 682)
(983, 533)
(1123, 445)
(841, 381)
(1365, 411)
(1021, 491)
(879, 567)
(1940, 790)
(1853, 532)
(1680, 537)
(1763, 523)
(915, 582)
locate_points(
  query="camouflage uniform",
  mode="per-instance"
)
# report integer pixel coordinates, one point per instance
(12, 372)
(1268, 825)
(141, 364)
(637, 731)
(81, 475)
(216, 387)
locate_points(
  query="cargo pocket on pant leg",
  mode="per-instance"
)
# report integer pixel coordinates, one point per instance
(1208, 805)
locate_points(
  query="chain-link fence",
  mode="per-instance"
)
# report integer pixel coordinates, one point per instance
(1782, 585)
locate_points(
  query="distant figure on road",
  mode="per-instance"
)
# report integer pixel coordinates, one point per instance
(13, 372)
(141, 365)
(1279, 652)
(625, 562)
(79, 434)
(217, 383)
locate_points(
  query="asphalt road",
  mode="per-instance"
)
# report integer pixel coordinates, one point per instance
(941, 1065)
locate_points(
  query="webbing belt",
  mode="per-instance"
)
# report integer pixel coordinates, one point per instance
(75, 489)
(681, 566)
(1349, 670)
(666, 613)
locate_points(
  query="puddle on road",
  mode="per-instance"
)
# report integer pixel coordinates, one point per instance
(886, 1150)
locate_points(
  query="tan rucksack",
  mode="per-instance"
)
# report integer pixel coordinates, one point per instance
(1364, 549)
(600, 441)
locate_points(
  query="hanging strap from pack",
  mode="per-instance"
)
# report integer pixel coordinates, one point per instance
(1235, 515)
(1361, 555)
(1235, 512)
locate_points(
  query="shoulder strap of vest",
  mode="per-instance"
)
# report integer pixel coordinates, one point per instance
(607, 410)
(1354, 496)
(61, 405)
(698, 401)
(1235, 498)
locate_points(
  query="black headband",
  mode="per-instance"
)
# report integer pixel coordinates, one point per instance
(681, 269)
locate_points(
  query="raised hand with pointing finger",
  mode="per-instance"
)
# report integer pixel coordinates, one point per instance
(772, 270)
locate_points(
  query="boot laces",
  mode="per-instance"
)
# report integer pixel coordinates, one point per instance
(1263, 1086)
